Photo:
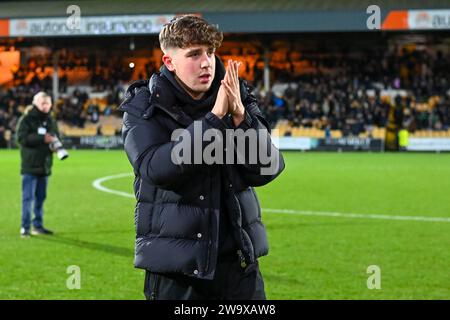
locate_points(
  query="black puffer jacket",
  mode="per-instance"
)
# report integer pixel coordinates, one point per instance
(36, 156)
(178, 205)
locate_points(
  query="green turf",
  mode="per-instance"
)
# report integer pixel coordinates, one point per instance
(311, 257)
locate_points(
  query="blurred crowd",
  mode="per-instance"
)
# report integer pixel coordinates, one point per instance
(344, 93)
(348, 94)
(76, 109)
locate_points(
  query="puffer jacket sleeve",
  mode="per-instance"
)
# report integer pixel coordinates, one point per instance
(153, 153)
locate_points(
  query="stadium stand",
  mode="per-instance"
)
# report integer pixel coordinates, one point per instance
(349, 94)
(321, 83)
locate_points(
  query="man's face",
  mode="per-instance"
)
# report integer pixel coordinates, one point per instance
(44, 104)
(194, 68)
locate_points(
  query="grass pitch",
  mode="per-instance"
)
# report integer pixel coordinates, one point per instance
(317, 249)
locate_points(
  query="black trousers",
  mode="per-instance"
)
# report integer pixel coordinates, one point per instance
(231, 282)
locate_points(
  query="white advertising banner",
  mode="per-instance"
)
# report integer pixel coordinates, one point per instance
(429, 19)
(429, 144)
(292, 143)
(93, 25)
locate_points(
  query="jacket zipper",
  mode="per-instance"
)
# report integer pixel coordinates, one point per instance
(242, 259)
(209, 223)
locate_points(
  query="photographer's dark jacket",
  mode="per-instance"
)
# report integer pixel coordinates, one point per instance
(182, 209)
(35, 154)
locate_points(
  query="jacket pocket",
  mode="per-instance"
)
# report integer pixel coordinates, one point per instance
(156, 218)
(143, 218)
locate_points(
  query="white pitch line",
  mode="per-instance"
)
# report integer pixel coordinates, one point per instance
(97, 184)
(358, 215)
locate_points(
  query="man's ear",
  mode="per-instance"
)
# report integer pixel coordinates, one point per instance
(167, 60)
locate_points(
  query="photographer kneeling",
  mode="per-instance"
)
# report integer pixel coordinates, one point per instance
(37, 135)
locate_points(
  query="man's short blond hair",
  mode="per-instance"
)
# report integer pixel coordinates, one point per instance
(184, 31)
(39, 95)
